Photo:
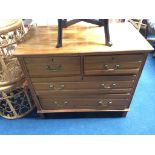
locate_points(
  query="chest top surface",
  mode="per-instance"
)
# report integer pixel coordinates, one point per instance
(83, 38)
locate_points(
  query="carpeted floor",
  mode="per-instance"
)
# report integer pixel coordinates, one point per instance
(140, 120)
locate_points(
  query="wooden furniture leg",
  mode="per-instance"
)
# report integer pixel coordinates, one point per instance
(41, 115)
(124, 114)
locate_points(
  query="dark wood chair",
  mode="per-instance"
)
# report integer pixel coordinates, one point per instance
(63, 23)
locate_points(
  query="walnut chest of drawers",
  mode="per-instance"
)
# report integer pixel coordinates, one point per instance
(84, 75)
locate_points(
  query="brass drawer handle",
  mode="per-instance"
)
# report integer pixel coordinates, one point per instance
(109, 102)
(108, 87)
(66, 102)
(105, 103)
(117, 66)
(51, 86)
(54, 67)
(55, 102)
(60, 104)
(113, 84)
(106, 67)
(62, 86)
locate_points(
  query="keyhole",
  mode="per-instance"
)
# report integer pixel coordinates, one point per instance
(52, 59)
(112, 58)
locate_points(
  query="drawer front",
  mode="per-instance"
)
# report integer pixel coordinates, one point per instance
(53, 66)
(110, 84)
(90, 91)
(85, 79)
(60, 86)
(47, 95)
(77, 103)
(117, 64)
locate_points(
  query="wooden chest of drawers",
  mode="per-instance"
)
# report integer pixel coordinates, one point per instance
(84, 75)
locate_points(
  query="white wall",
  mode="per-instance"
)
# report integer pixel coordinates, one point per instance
(45, 21)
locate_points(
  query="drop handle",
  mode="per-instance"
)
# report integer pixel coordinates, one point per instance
(55, 102)
(66, 102)
(61, 87)
(106, 67)
(109, 102)
(61, 103)
(114, 84)
(54, 67)
(108, 87)
(104, 103)
(51, 86)
(117, 66)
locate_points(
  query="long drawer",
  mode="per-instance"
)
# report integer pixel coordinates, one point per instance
(92, 103)
(112, 65)
(53, 66)
(48, 95)
(111, 84)
(74, 86)
(95, 91)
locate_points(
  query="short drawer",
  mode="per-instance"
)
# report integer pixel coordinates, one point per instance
(111, 65)
(77, 103)
(53, 66)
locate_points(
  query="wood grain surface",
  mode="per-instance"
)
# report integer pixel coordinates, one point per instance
(85, 39)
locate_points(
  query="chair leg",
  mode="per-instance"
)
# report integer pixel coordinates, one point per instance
(65, 24)
(102, 22)
(107, 35)
(59, 37)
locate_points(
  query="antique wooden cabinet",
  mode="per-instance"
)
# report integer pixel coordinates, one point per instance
(84, 75)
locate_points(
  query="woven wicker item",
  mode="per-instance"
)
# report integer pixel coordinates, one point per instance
(15, 100)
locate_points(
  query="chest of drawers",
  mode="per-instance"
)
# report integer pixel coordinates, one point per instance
(84, 75)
